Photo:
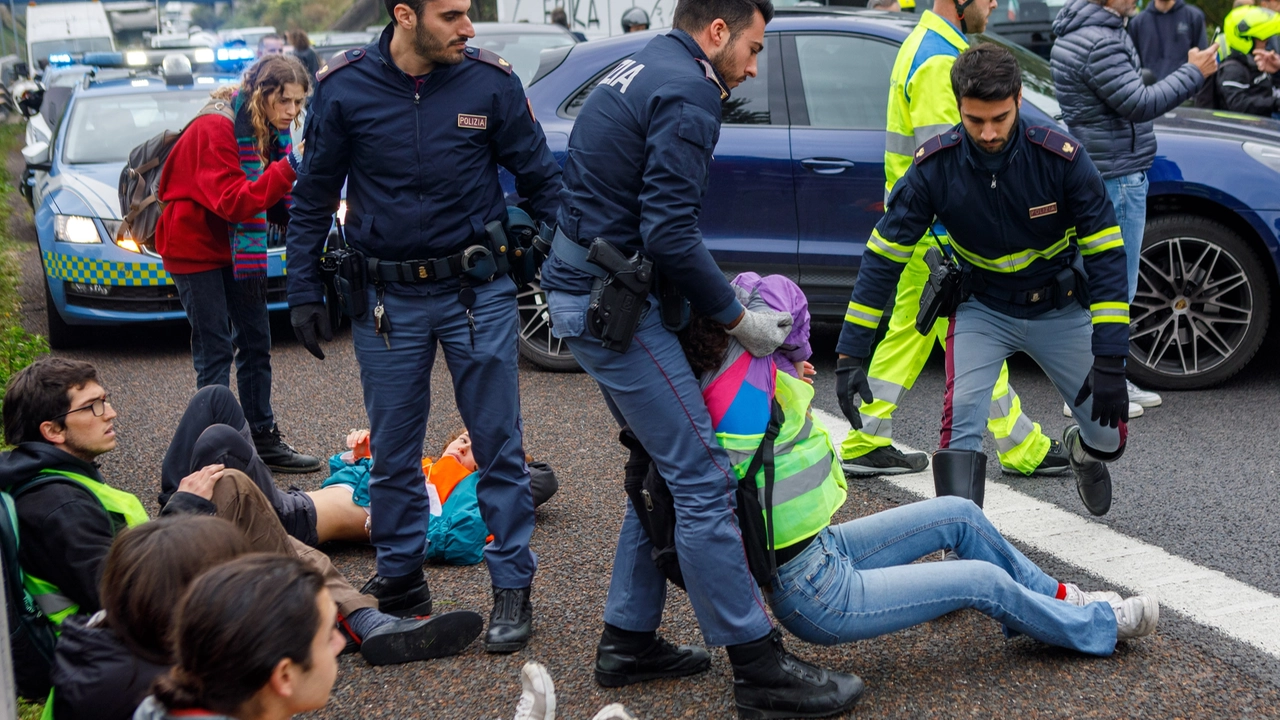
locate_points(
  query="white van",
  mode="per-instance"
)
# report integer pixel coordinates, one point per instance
(64, 28)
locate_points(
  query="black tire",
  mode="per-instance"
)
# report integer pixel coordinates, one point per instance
(1202, 308)
(537, 345)
(61, 335)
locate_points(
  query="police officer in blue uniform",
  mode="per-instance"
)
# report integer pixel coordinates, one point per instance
(1030, 223)
(635, 176)
(417, 124)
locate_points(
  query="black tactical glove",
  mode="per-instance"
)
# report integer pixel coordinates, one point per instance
(310, 321)
(851, 377)
(1110, 392)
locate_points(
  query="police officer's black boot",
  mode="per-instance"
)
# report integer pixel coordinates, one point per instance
(1093, 480)
(511, 621)
(624, 657)
(769, 682)
(962, 473)
(280, 455)
(405, 596)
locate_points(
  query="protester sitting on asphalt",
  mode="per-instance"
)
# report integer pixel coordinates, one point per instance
(60, 420)
(871, 583)
(226, 192)
(105, 664)
(344, 496)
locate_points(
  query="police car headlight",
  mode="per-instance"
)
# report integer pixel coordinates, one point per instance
(1268, 155)
(75, 229)
(203, 55)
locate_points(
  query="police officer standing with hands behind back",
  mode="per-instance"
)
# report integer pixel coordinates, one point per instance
(636, 172)
(1030, 221)
(417, 124)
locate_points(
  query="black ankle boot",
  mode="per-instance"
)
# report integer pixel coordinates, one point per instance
(624, 657)
(511, 621)
(769, 682)
(406, 596)
(962, 473)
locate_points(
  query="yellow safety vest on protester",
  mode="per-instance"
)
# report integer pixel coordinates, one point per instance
(809, 485)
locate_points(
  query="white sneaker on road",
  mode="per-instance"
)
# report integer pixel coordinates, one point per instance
(537, 694)
(1145, 398)
(1135, 410)
(1136, 617)
(1080, 598)
(615, 711)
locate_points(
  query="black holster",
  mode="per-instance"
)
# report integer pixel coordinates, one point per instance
(346, 273)
(618, 300)
(944, 291)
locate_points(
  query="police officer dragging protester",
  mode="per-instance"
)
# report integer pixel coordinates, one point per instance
(417, 124)
(921, 105)
(637, 169)
(1034, 263)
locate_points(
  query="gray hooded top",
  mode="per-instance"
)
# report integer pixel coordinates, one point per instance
(1099, 82)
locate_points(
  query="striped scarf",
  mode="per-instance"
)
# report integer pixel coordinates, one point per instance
(249, 238)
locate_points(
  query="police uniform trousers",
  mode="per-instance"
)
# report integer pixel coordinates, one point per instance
(397, 397)
(897, 362)
(979, 339)
(652, 389)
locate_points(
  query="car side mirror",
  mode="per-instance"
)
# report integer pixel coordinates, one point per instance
(37, 156)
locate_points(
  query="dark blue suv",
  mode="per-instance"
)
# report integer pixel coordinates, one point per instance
(798, 183)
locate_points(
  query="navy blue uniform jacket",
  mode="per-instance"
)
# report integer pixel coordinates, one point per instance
(1015, 228)
(420, 157)
(638, 165)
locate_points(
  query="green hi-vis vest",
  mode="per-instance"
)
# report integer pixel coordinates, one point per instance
(56, 606)
(809, 485)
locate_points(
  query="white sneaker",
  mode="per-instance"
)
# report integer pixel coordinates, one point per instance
(614, 712)
(1136, 617)
(1145, 398)
(537, 694)
(1135, 410)
(1080, 598)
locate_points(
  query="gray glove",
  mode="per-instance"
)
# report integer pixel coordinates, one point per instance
(762, 332)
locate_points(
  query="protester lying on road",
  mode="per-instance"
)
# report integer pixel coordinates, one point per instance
(859, 580)
(342, 502)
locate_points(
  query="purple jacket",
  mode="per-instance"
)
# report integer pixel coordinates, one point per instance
(783, 295)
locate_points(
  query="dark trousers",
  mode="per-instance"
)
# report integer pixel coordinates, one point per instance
(213, 431)
(227, 323)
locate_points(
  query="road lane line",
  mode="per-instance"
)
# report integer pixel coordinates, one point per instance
(1204, 595)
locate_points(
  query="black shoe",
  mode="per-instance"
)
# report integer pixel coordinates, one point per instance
(412, 639)
(280, 456)
(625, 661)
(1093, 480)
(1055, 462)
(511, 621)
(962, 473)
(887, 460)
(404, 597)
(769, 682)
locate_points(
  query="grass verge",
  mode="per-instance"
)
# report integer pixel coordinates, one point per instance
(17, 346)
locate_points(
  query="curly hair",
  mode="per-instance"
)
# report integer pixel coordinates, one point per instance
(705, 343)
(263, 82)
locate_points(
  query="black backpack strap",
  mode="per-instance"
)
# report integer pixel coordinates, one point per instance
(764, 457)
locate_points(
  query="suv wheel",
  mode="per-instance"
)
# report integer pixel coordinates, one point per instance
(1202, 307)
(61, 335)
(537, 344)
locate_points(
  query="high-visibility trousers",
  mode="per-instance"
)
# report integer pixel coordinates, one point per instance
(896, 363)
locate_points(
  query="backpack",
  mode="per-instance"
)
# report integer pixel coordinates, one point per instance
(31, 634)
(139, 186)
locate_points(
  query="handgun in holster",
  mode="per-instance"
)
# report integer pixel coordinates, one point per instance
(618, 300)
(943, 292)
(345, 272)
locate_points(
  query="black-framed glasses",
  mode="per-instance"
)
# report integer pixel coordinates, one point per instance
(97, 407)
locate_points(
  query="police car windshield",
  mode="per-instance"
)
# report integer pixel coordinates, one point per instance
(1037, 82)
(522, 51)
(104, 129)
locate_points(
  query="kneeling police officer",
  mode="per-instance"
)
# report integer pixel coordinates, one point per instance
(637, 169)
(1043, 265)
(417, 124)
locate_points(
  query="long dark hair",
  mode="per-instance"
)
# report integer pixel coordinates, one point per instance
(149, 568)
(263, 81)
(234, 625)
(705, 343)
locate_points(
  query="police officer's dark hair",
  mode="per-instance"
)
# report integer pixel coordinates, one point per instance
(986, 72)
(234, 625)
(414, 5)
(692, 16)
(41, 391)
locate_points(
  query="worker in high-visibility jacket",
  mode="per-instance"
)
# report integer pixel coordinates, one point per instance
(922, 105)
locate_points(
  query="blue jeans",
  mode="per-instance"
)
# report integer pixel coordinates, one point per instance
(225, 321)
(979, 340)
(1129, 196)
(397, 397)
(860, 580)
(651, 388)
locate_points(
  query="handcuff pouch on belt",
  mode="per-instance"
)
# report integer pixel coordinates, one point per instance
(344, 272)
(618, 300)
(527, 245)
(944, 290)
(673, 306)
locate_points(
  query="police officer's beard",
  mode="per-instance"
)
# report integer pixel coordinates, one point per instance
(722, 61)
(1005, 140)
(429, 48)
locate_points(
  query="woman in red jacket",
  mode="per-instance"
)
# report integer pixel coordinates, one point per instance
(226, 188)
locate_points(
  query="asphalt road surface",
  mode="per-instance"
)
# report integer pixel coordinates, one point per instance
(1198, 480)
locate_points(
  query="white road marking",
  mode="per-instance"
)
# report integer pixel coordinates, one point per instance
(1207, 596)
